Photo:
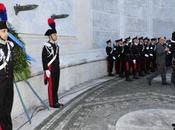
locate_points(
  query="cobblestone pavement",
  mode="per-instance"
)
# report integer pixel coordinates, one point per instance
(101, 107)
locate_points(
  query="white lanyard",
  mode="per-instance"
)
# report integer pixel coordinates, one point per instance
(53, 59)
(4, 64)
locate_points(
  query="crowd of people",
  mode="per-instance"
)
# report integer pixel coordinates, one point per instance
(140, 56)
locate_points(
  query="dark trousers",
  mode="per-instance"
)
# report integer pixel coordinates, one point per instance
(161, 70)
(135, 67)
(6, 102)
(121, 68)
(173, 74)
(110, 63)
(153, 63)
(53, 85)
(142, 66)
(147, 65)
(117, 67)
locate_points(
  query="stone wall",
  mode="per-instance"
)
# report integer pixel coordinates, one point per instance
(122, 18)
(106, 20)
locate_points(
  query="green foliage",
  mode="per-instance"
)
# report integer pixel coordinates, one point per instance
(21, 66)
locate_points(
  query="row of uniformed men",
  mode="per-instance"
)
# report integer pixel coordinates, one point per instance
(135, 56)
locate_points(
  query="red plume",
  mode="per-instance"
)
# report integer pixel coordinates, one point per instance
(2, 7)
(51, 21)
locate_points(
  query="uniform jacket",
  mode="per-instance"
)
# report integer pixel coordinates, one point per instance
(49, 51)
(6, 62)
(160, 54)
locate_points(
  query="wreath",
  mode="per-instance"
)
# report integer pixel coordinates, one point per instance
(20, 62)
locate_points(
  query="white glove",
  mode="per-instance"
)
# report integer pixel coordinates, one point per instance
(134, 61)
(169, 52)
(48, 73)
(151, 54)
(114, 58)
(146, 55)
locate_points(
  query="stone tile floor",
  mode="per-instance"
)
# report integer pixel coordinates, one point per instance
(40, 113)
(102, 107)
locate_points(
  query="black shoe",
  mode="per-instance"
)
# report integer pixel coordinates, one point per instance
(135, 77)
(147, 72)
(58, 105)
(128, 79)
(121, 76)
(152, 70)
(141, 75)
(173, 124)
(166, 84)
(110, 75)
(149, 81)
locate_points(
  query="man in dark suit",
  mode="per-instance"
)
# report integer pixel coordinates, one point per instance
(161, 52)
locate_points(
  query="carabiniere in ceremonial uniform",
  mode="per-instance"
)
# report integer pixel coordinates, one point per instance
(6, 80)
(51, 66)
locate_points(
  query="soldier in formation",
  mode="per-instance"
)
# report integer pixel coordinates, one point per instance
(131, 58)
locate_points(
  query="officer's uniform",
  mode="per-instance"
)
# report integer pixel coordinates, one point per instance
(135, 60)
(110, 60)
(127, 60)
(147, 57)
(142, 57)
(6, 75)
(171, 46)
(173, 70)
(152, 55)
(116, 56)
(51, 62)
(172, 52)
(121, 60)
(6, 84)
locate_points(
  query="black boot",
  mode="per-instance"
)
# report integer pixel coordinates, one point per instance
(110, 75)
(141, 74)
(135, 77)
(58, 105)
(166, 83)
(128, 79)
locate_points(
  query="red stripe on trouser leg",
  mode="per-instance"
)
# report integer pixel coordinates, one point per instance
(45, 77)
(50, 94)
(0, 128)
(126, 66)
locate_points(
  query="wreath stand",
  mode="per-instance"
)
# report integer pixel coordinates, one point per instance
(22, 102)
